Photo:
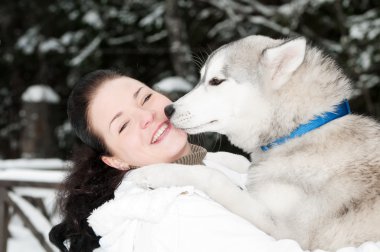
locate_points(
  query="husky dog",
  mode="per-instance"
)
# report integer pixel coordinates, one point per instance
(315, 175)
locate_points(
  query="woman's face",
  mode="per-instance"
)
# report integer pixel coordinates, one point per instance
(130, 118)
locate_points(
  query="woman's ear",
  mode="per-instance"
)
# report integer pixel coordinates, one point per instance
(115, 163)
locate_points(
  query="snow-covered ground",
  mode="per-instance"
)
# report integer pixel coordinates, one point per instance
(22, 239)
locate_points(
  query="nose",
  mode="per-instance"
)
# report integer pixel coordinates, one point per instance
(146, 117)
(169, 111)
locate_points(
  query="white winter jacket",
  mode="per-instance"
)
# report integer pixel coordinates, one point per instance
(184, 219)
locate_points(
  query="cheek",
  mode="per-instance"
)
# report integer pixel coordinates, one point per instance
(130, 149)
(130, 140)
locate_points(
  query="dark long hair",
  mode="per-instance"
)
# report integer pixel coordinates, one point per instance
(90, 182)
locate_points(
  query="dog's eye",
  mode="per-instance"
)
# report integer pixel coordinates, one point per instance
(215, 81)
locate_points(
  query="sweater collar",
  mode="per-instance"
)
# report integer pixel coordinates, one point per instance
(195, 157)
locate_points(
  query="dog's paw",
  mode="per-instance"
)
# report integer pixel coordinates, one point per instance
(143, 176)
(139, 177)
(158, 175)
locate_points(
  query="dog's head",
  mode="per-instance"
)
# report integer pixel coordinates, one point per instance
(242, 87)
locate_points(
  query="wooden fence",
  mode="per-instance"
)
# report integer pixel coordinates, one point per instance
(16, 198)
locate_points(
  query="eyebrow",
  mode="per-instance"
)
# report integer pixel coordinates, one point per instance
(114, 118)
(135, 95)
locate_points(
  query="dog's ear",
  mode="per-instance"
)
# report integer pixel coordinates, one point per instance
(280, 62)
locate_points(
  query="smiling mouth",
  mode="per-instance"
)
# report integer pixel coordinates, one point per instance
(161, 132)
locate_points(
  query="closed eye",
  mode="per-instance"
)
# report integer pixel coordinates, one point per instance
(146, 98)
(123, 127)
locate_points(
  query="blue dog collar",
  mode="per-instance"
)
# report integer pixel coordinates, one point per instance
(341, 110)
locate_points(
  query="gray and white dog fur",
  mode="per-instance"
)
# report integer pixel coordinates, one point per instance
(321, 189)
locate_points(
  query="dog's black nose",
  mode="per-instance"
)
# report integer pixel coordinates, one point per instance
(169, 111)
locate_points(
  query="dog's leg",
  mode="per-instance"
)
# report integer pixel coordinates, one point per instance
(214, 183)
(231, 161)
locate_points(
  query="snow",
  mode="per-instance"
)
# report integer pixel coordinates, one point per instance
(317, 3)
(259, 20)
(42, 225)
(21, 238)
(373, 33)
(368, 81)
(71, 37)
(37, 163)
(40, 93)
(154, 18)
(43, 193)
(292, 8)
(74, 15)
(264, 10)
(204, 14)
(112, 12)
(87, 51)
(364, 26)
(66, 38)
(28, 42)
(365, 59)
(30, 175)
(51, 44)
(93, 19)
(121, 40)
(358, 31)
(39, 170)
(127, 18)
(35, 170)
(173, 84)
(156, 37)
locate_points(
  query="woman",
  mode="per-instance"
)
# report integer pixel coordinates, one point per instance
(123, 125)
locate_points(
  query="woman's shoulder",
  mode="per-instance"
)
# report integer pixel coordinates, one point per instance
(134, 203)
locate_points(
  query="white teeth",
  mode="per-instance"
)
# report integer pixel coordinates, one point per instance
(159, 132)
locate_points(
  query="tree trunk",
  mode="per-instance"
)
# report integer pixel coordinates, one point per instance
(38, 138)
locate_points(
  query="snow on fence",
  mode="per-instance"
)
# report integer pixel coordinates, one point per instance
(36, 163)
(26, 185)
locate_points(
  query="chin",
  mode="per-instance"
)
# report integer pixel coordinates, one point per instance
(177, 150)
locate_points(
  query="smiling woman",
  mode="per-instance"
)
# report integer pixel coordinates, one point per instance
(123, 125)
